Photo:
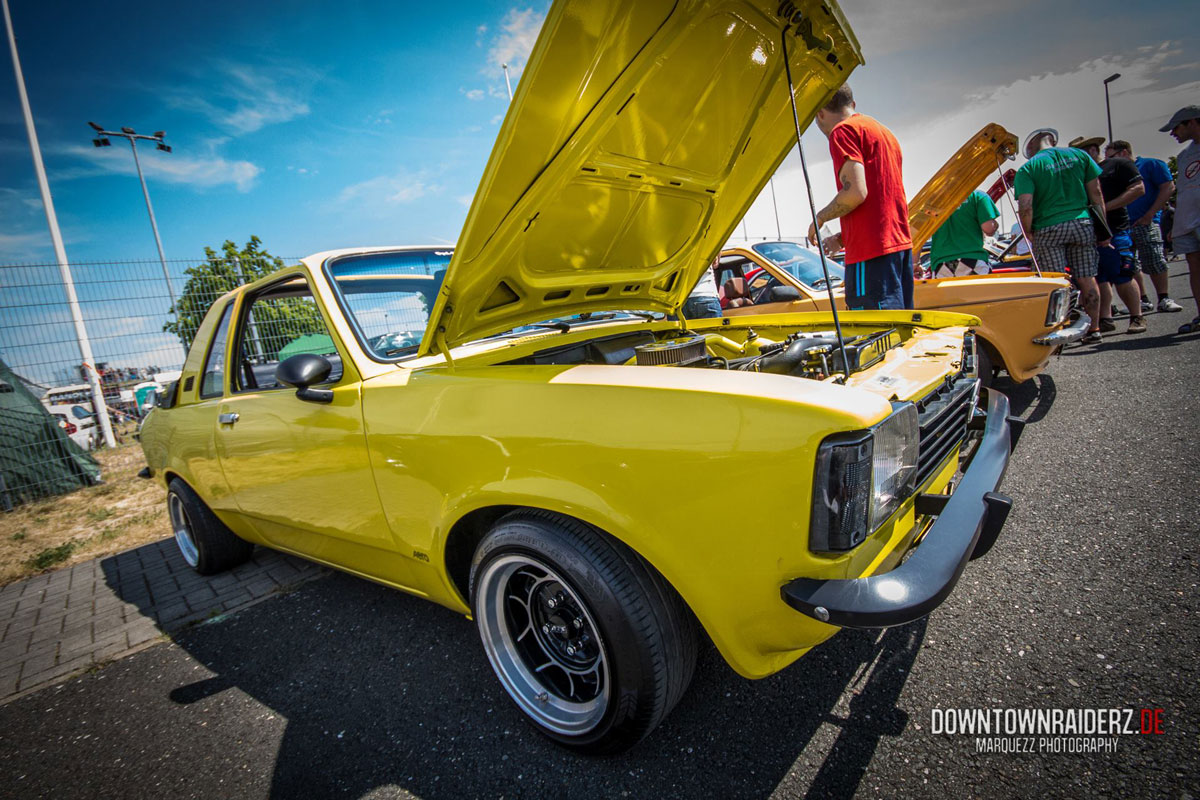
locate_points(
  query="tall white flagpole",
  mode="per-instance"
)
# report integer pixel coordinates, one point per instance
(60, 253)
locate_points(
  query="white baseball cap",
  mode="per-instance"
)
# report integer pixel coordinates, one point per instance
(1035, 135)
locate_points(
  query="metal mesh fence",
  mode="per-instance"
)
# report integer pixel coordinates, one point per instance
(139, 338)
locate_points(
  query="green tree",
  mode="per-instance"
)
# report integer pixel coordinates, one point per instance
(223, 272)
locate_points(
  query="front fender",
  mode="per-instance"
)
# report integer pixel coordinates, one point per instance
(706, 474)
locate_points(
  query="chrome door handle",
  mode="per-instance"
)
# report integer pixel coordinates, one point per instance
(228, 419)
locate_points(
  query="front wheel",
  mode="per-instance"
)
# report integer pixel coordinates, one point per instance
(590, 642)
(985, 364)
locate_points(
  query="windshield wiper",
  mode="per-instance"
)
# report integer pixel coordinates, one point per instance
(561, 327)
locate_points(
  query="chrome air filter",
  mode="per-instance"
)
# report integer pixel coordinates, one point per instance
(670, 351)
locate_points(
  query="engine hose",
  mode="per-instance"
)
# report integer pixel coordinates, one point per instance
(796, 355)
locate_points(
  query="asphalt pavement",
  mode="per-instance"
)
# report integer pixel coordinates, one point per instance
(1089, 599)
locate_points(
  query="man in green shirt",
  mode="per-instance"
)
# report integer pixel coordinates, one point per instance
(1054, 189)
(958, 243)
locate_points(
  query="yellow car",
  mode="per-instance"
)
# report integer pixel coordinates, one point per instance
(1023, 318)
(519, 431)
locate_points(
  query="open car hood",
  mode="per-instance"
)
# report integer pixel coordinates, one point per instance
(639, 135)
(958, 177)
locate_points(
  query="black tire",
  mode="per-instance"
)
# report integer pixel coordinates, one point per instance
(984, 364)
(647, 637)
(214, 548)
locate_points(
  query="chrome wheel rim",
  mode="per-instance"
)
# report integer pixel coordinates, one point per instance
(183, 531)
(543, 644)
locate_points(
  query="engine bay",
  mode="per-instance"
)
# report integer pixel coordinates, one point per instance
(805, 354)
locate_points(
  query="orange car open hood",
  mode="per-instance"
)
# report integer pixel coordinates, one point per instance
(639, 135)
(958, 177)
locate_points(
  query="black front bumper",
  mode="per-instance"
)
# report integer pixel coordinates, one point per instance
(968, 522)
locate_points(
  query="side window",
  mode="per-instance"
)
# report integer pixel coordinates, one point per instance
(212, 381)
(280, 322)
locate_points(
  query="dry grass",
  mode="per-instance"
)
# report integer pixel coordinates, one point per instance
(125, 512)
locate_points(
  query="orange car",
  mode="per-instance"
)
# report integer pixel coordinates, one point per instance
(1024, 317)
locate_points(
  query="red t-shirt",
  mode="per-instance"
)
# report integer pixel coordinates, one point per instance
(880, 225)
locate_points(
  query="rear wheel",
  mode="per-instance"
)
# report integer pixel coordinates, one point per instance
(207, 545)
(590, 642)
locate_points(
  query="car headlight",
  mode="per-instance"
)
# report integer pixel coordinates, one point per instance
(1059, 307)
(861, 478)
(897, 440)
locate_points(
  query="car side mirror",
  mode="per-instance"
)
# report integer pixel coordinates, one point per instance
(302, 371)
(784, 294)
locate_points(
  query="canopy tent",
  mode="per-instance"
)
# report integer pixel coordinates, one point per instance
(308, 343)
(37, 457)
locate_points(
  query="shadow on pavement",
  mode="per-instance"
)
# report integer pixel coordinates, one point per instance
(1037, 393)
(381, 689)
(155, 578)
(1119, 341)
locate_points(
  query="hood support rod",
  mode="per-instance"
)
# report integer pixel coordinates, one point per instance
(1033, 258)
(812, 205)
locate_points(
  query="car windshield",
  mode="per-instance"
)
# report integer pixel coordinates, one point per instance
(388, 298)
(803, 264)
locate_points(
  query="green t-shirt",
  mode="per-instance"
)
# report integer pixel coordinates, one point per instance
(960, 236)
(1055, 177)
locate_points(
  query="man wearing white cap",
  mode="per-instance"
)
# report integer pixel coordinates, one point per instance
(1054, 189)
(1185, 234)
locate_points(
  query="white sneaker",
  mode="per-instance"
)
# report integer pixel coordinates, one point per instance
(1147, 306)
(1167, 304)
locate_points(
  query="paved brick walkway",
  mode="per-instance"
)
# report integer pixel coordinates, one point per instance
(67, 621)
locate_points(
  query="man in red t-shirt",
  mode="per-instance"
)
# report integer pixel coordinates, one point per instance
(871, 206)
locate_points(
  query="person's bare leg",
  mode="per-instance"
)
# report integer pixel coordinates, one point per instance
(1141, 287)
(1089, 296)
(1159, 279)
(1129, 296)
(1193, 260)
(1105, 299)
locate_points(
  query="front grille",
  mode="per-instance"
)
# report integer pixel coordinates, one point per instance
(943, 415)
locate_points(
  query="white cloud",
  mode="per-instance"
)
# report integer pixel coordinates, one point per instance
(204, 171)
(242, 99)
(24, 246)
(472, 94)
(511, 45)
(25, 237)
(379, 196)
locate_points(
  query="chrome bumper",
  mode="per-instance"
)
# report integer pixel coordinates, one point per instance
(1072, 333)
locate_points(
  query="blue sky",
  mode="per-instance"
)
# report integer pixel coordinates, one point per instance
(326, 126)
(320, 125)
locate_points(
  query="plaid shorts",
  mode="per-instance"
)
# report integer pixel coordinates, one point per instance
(1148, 244)
(1068, 244)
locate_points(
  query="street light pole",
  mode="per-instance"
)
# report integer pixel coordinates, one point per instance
(1107, 106)
(507, 82)
(60, 252)
(132, 136)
